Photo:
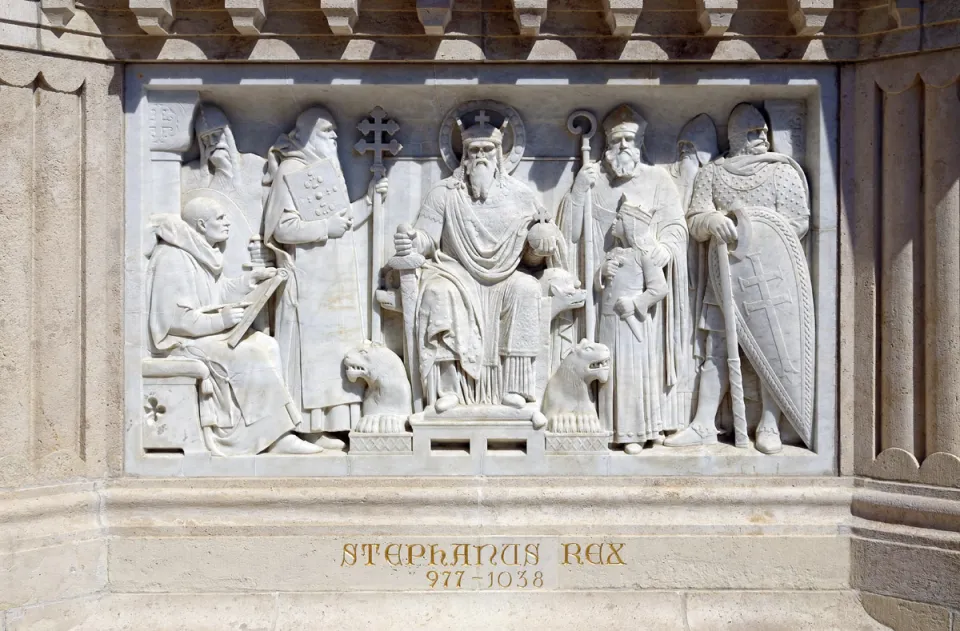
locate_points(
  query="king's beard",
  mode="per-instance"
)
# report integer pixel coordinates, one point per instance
(481, 175)
(622, 162)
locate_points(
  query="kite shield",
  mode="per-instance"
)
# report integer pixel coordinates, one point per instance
(774, 310)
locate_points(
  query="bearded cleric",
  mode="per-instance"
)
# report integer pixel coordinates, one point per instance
(478, 311)
(624, 174)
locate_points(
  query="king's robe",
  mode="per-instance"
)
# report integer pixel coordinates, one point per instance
(476, 305)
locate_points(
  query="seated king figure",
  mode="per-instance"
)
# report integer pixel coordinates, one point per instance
(478, 309)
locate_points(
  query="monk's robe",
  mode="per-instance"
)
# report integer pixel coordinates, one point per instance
(244, 401)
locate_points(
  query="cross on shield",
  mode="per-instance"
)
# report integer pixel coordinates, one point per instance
(774, 311)
(767, 306)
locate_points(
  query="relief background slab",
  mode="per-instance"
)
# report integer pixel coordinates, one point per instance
(263, 101)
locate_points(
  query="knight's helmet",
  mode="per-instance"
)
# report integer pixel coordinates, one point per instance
(743, 119)
(701, 132)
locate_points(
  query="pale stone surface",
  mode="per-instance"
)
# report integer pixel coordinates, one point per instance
(61, 422)
(904, 615)
(899, 381)
(482, 367)
(656, 609)
(779, 612)
(883, 565)
(785, 610)
(60, 333)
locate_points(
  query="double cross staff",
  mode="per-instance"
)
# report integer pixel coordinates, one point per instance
(586, 133)
(379, 127)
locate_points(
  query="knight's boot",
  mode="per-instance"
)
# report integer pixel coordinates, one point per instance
(447, 397)
(694, 434)
(768, 432)
(633, 449)
(703, 429)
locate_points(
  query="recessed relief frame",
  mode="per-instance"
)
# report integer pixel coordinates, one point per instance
(347, 270)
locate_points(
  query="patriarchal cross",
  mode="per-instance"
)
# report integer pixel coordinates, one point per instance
(378, 145)
(768, 305)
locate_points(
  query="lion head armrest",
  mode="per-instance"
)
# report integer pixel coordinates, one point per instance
(158, 367)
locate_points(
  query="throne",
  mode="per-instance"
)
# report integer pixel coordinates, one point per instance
(467, 429)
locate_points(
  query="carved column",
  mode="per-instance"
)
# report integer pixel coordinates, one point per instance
(941, 186)
(900, 296)
(904, 249)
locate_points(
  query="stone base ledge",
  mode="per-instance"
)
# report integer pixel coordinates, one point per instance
(838, 610)
(634, 544)
(477, 505)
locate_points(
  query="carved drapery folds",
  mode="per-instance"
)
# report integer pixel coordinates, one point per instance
(904, 214)
(422, 308)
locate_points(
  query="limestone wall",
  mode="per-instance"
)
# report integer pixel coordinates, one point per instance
(901, 283)
(82, 544)
(61, 193)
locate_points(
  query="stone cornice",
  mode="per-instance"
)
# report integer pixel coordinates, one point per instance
(481, 30)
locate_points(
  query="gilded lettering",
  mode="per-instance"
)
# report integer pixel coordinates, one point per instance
(349, 554)
(433, 555)
(614, 557)
(515, 549)
(593, 554)
(493, 554)
(418, 555)
(370, 550)
(571, 550)
(461, 554)
(396, 554)
(532, 554)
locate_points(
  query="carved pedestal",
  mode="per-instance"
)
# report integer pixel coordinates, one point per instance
(505, 440)
(577, 443)
(171, 411)
(367, 443)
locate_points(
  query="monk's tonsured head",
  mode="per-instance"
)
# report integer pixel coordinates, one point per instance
(208, 217)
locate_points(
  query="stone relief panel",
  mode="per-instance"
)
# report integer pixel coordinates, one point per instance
(331, 282)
